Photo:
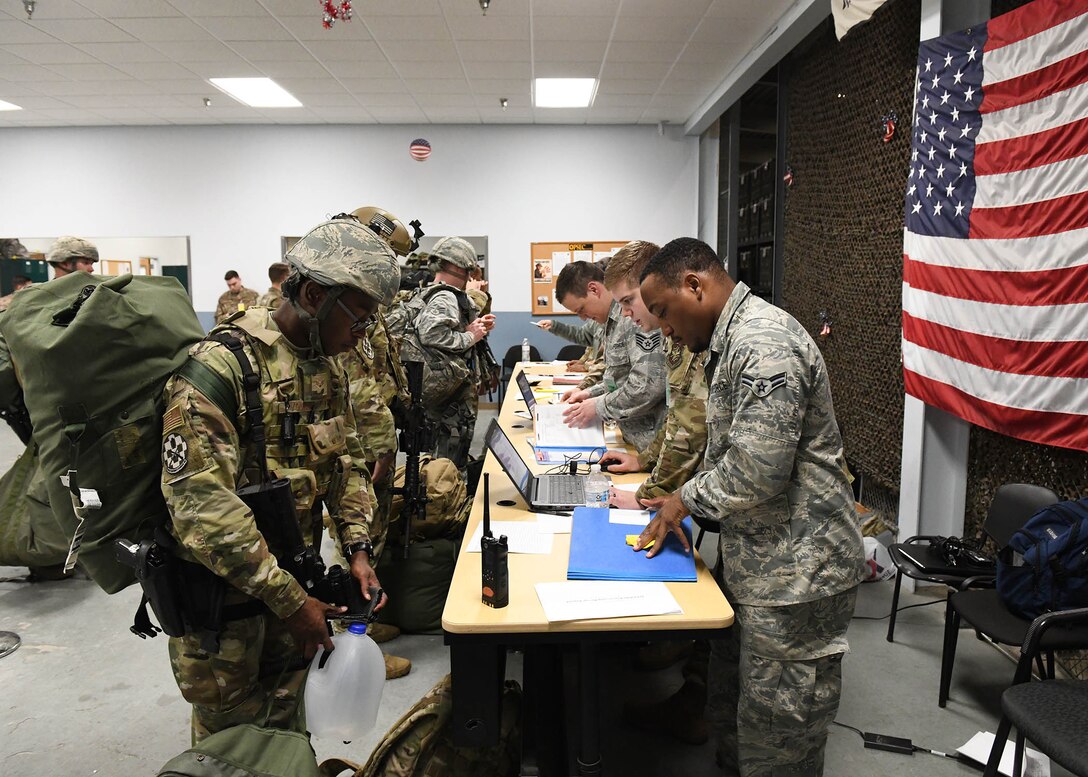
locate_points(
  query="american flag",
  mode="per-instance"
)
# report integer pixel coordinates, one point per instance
(995, 250)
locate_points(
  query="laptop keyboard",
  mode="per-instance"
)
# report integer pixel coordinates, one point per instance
(560, 490)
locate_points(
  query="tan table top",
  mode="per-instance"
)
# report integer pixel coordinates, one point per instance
(703, 604)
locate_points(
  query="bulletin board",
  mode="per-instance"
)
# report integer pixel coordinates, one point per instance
(546, 261)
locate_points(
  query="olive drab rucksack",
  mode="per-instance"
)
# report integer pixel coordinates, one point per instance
(420, 744)
(92, 355)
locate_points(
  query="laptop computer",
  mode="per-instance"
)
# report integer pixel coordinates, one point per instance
(537, 490)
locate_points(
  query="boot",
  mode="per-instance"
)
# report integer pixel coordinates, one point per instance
(658, 655)
(680, 715)
(382, 632)
(396, 667)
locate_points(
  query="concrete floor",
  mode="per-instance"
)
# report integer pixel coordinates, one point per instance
(82, 696)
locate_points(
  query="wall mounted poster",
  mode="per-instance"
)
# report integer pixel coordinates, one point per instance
(547, 260)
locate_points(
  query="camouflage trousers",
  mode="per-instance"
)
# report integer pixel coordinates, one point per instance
(244, 681)
(774, 686)
(454, 425)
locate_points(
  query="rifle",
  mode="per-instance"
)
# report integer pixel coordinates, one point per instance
(416, 436)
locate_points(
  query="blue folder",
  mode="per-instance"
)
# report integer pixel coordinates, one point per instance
(599, 551)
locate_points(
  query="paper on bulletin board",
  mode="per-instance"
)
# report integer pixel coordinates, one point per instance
(599, 255)
(582, 256)
(557, 306)
(560, 259)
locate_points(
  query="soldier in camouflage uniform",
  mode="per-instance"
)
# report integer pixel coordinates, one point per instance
(443, 334)
(235, 299)
(632, 391)
(277, 274)
(791, 552)
(71, 254)
(340, 274)
(588, 334)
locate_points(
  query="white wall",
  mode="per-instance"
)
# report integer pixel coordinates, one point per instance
(236, 190)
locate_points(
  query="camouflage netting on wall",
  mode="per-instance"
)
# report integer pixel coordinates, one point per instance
(843, 226)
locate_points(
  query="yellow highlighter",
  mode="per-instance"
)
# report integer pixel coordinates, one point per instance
(632, 540)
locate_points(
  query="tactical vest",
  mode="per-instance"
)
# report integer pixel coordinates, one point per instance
(445, 376)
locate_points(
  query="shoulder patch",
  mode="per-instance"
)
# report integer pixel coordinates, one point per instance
(761, 386)
(368, 348)
(674, 355)
(648, 343)
(172, 420)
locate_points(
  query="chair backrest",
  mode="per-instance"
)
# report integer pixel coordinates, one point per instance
(571, 352)
(1011, 507)
(513, 356)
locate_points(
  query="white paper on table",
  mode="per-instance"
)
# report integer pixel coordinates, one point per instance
(977, 748)
(553, 524)
(552, 431)
(627, 486)
(523, 413)
(522, 537)
(574, 600)
(557, 362)
(629, 517)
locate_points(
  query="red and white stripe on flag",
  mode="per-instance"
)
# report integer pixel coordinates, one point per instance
(995, 265)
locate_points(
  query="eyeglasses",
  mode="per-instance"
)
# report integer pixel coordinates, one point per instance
(358, 325)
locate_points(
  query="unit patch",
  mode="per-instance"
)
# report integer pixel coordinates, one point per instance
(760, 386)
(674, 356)
(175, 453)
(368, 349)
(648, 342)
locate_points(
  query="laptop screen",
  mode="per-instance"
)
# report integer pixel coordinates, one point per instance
(526, 391)
(514, 466)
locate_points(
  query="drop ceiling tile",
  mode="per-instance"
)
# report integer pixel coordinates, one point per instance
(35, 102)
(516, 102)
(502, 87)
(346, 51)
(49, 53)
(682, 104)
(428, 69)
(194, 50)
(561, 28)
(497, 116)
(372, 85)
(280, 70)
(422, 51)
(398, 115)
(12, 92)
(658, 28)
(297, 86)
(393, 28)
(127, 8)
(712, 53)
(449, 85)
(386, 100)
(415, 8)
(628, 86)
(561, 115)
(498, 69)
(683, 86)
(566, 69)
(31, 74)
(91, 71)
(489, 27)
(493, 51)
(198, 8)
(642, 70)
(452, 115)
(697, 71)
(59, 9)
(186, 87)
(499, 8)
(162, 29)
(361, 69)
(344, 114)
(578, 7)
(615, 115)
(643, 51)
(621, 100)
(243, 28)
(314, 100)
(112, 53)
(567, 51)
(163, 71)
(656, 8)
(748, 9)
(236, 68)
(8, 55)
(445, 100)
(84, 31)
(12, 31)
(308, 28)
(284, 50)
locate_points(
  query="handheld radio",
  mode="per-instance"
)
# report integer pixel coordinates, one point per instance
(494, 559)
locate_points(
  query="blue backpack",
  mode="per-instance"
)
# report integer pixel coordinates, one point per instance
(1045, 565)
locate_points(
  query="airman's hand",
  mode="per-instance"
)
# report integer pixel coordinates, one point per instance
(670, 512)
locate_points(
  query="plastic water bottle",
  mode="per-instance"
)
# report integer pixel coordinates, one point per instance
(342, 698)
(596, 487)
(525, 349)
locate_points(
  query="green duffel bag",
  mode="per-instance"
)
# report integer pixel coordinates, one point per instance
(417, 586)
(248, 750)
(92, 355)
(29, 533)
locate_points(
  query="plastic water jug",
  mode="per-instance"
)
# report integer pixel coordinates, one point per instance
(342, 697)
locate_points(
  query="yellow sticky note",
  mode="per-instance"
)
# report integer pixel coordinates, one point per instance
(632, 540)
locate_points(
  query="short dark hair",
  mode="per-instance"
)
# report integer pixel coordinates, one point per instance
(685, 254)
(230, 274)
(19, 279)
(277, 271)
(574, 279)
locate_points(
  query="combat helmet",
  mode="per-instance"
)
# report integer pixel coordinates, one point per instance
(66, 248)
(457, 251)
(389, 228)
(342, 254)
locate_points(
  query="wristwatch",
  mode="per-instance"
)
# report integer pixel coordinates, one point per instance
(354, 547)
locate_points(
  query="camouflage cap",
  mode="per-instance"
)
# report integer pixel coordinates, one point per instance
(347, 254)
(68, 247)
(457, 251)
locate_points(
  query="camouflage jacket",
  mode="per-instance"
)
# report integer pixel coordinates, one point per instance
(231, 302)
(773, 473)
(373, 418)
(207, 456)
(387, 364)
(589, 334)
(270, 299)
(677, 450)
(632, 392)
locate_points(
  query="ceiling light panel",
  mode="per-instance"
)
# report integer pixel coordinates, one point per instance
(564, 92)
(256, 92)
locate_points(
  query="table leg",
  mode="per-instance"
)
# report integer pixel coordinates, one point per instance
(543, 721)
(478, 672)
(589, 692)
